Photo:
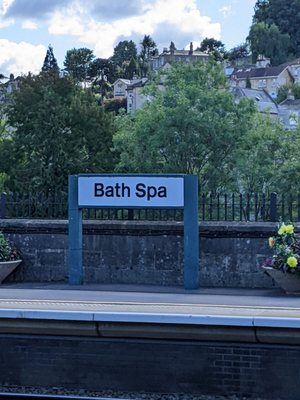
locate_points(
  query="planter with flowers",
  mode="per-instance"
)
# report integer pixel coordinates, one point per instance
(9, 258)
(284, 266)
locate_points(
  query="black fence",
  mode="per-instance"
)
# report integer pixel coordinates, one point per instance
(221, 207)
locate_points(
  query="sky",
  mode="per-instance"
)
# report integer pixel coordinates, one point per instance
(28, 27)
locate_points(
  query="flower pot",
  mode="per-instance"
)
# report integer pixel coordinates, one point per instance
(290, 283)
(7, 267)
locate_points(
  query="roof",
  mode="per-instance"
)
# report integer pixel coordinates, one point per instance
(137, 83)
(291, 102)
(295, 61)
(126, 81)
(262, 99)
(244, 73)
(182, 53)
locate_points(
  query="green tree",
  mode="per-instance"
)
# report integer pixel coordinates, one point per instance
(5, 139)
(288, 174)
(123, 53)
(100, 67)
(213, 47)
(286, 16)
(284, 90)
(78, 63)
(131, 69)
(58, 130)
(50, 62)
(259, 156)
(147, 48)
(269, 41)
(191, 126)
(238, 53)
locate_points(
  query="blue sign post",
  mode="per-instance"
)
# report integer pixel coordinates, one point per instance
(134, 191)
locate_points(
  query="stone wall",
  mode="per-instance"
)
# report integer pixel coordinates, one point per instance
(142, 252)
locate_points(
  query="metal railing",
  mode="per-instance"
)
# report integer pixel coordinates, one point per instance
(221, 207)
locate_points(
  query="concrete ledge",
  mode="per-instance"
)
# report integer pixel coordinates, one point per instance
(208, 229)
(48, 327)
(142, 330)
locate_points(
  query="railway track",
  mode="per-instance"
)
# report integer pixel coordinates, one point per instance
(25, 396)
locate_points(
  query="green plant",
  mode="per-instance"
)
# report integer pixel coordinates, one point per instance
(286, 250)
(7, 251)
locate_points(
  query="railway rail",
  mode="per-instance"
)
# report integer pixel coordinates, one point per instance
(29, 396)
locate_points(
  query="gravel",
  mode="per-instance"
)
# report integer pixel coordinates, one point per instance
(119, 395)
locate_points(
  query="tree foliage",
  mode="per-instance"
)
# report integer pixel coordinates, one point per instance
(58, 129)
(191, 126)
(269, 41)
(239, 52)
(124, 51)
(259, 156)
(285, 15)
(102, 67)
(50, 62)
(214, 47)
(148, 46)
(284, 90)
(78, 63)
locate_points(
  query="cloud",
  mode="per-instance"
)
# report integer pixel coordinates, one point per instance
(226, 11)
(29, 25)
(18, 58)
(108, 10)
(100, 25)
(6, 23)
(178, 17)
(105, 9)
(68, 23)
(32, 8)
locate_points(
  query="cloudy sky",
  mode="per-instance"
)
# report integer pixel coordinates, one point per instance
(29, 26)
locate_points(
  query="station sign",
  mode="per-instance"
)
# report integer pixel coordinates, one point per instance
(131, 191)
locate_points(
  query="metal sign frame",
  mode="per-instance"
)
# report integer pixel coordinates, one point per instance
(191, 229)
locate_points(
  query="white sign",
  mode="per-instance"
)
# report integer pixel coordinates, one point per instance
(130, 191)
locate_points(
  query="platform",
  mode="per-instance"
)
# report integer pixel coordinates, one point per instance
(150, 304)
(146, 338)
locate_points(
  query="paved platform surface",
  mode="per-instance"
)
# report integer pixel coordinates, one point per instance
(152, 304)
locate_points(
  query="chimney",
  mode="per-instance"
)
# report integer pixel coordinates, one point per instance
(191, 51)
(262, 61)
(172, 48)
(290, 95)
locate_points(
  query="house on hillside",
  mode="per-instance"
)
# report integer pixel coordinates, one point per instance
(289, 112)
(171, 55)
(120, 86)
(264, 102)
(8, 86)
(135, 98)
(262, 78)
(294, 66)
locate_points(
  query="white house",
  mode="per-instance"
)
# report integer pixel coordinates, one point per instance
(120, 86)
(135, 98)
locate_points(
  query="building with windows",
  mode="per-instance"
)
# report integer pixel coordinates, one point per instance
(262, 77)
(135, 98)
(120, 86)
(171, 55)
(269, 79)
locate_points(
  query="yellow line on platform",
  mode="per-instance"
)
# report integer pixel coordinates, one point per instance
(118, 303)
